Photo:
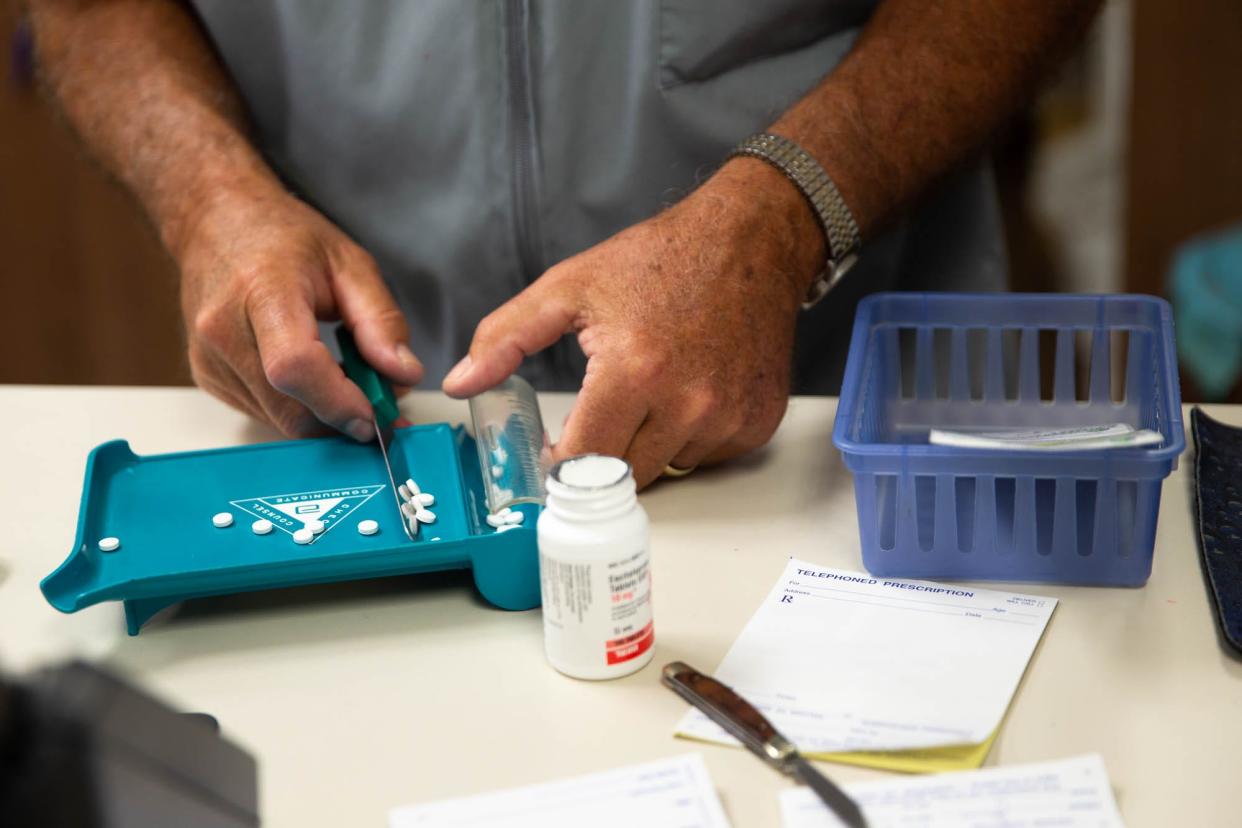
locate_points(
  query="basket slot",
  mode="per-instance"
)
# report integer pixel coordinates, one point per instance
(925, 365)
(977, 352)
(1120, 359)
(964, 508)
(1063, 382)
(1082, 365)
(1100, 366)
(1047, 364)
(1105, 541)
(994, 370)
(907, 354)
(1064, 516)
(1141, 378)
(1028, 365)
(885, 493)
(1127, 509)
(891, 382)
(985, 513)
(959, 370)
(907, 513)
(1045, 514)
(1005, 492)
(1084, 512)
(925, 510)
(946, 515)
(1024, 522)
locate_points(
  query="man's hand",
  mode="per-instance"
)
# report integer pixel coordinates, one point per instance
(687, 321)
(257, 271)
(258, 267)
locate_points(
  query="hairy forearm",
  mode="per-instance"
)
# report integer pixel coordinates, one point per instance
(925, 86)
(145, 92)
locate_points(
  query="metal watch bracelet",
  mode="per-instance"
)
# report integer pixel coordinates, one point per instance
(834, 216)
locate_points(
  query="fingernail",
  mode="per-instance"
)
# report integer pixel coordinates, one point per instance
(360, 430)
(407, 359)
(460, 370)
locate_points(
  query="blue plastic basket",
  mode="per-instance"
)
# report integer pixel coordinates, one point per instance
(972, 362)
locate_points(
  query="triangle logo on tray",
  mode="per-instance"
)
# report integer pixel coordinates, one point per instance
(291, 512)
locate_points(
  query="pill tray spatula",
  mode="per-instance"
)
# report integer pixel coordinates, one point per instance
(161, 507)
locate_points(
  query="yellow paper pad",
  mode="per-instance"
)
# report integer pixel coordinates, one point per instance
(915, 676)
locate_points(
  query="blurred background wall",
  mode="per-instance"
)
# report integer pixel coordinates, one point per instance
(1134, 149)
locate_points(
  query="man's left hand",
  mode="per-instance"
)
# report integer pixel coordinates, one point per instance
(686, 319)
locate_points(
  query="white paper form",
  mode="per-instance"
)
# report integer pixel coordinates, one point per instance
(841, 661)
(668, 793)
(1071, 793)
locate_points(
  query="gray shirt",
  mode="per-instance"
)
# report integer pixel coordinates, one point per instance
(470, 144)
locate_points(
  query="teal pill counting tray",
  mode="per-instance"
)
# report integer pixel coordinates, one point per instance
(160, 508)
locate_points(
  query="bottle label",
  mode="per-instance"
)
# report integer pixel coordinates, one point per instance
(596, 613)
(631, 646)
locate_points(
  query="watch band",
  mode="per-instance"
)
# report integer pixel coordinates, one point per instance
(830, 208)
(1218, 509)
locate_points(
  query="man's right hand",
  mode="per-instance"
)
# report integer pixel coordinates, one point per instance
(257, 272)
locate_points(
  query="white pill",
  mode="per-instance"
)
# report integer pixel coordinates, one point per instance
(261, 526)
(500, 454)
(368, 527)
(495, 521)
(504, 512)
(315, 526)
(412, 525)
(498, 472)
(303, 535)
(426, 499)
(506, 527)
(109, 544)
(426, 516)
(222, 520)
(514, 518)
(412, 487)
(404, 492)
(409, 510)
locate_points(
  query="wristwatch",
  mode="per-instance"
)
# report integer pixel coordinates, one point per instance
(830, 208)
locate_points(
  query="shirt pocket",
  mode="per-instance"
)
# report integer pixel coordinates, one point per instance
(702, 39)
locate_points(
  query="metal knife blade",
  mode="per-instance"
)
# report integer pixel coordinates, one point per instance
(744, 722)
(394, 464)
(837, 800)
(384, 414)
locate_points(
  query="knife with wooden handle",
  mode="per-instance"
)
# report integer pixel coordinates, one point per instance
(745, 723)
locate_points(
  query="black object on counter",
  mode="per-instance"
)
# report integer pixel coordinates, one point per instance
(1218, 518)
(80, 747)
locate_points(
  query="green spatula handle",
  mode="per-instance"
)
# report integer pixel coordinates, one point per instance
(376, 389)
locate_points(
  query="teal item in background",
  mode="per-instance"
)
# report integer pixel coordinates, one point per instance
(160, 507)
(1205, 286)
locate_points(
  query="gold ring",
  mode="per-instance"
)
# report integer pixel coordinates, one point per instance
(672, 471)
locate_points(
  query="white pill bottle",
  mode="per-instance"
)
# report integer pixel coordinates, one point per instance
(595, 570)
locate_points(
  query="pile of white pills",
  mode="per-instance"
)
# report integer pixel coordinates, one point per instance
(505, 519)
(414, 503)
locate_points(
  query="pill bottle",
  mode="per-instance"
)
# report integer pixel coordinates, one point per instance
(594, 567)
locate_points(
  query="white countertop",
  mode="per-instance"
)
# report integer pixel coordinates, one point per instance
(359, 697)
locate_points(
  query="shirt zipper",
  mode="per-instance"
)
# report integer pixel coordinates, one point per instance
(523, 146)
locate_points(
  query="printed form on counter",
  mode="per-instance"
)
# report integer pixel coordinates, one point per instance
(1071, 793)
(667, 793)
(903, 675)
